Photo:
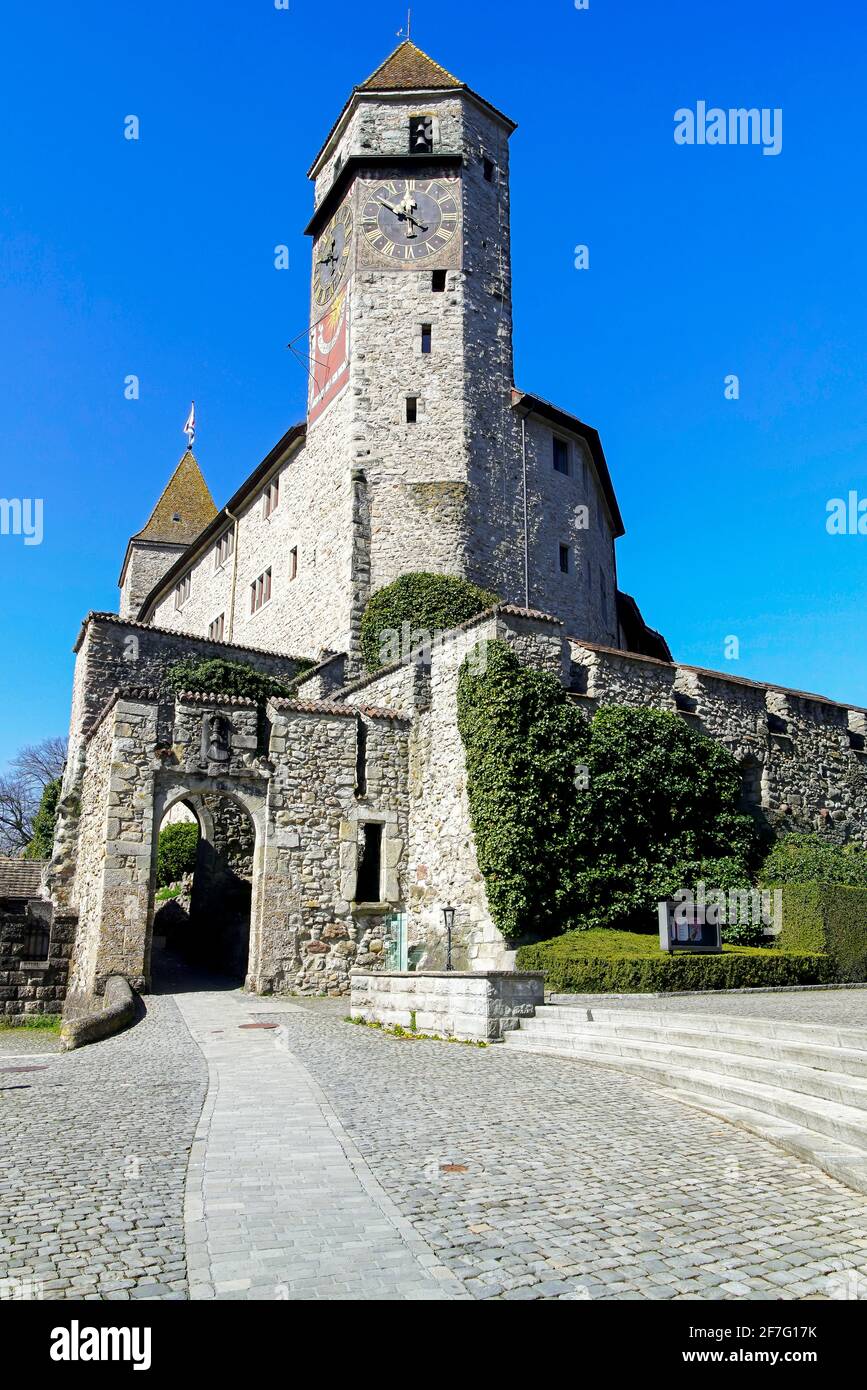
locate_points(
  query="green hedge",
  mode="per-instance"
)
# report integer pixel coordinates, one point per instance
(426, 603)
(802, 858)
(830, 918)
(626, 963)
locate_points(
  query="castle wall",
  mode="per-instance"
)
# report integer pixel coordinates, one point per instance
(802, 761)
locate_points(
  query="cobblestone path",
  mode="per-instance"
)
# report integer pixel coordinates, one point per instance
(93, 1155)
(332, 1161)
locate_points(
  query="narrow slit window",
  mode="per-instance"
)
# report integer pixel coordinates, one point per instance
(438, 281)
(564, 559)
(561, 456)
(490, 169)
(426, 337)
(367, 886)
(293, 562)
(360, 757)
(411, 410)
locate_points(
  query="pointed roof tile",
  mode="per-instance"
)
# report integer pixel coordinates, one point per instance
(185, 508)
(407, 69)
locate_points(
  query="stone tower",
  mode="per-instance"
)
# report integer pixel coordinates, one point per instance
(411, 328)
(181, 514)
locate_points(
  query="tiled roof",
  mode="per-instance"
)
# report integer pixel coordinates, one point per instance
(185, 508)
(407, 69)
(199, 697)
(20, 878)
(331, 707)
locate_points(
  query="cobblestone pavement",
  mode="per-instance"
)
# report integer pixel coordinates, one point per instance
(841, 1008)
(579, 1182)
(280, 1204)
(93, 1156)
(335, 1162)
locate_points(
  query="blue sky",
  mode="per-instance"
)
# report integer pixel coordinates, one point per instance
(155, 257)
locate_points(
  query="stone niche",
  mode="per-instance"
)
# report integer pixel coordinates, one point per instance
(476, 1006)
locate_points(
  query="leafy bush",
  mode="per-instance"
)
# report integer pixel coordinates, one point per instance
(176, 852)
(659, 812)
(801, 858)
(222, 677)
(522, 739)
(428, 603)
(830, 918)
(621, 962)
(44, 821)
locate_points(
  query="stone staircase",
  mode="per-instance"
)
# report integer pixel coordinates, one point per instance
(802, 1086)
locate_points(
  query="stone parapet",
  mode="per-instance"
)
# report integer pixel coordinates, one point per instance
(478, 1006)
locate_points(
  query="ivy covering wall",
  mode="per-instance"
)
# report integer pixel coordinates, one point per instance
(590, 823)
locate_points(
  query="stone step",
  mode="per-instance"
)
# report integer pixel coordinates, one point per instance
(741, 1025)
(844, 1123)
(841, 1161)
(849, 1065)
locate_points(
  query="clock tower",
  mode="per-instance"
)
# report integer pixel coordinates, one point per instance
(411, 329)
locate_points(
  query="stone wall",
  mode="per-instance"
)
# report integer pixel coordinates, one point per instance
(113, 654)
(478, 1007)
(801, 754)
(30, 986)
(311, 930)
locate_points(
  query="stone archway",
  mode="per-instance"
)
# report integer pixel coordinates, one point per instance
(226, 885)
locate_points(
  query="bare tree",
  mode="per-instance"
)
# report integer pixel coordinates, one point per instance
(30, 772)
(40, 763)
(18, 805)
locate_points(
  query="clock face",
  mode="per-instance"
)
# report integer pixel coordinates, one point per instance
(331, 255)
(407, 220)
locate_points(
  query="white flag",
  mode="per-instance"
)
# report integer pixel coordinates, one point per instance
(190, 426)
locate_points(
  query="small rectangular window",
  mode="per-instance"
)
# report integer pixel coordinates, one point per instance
(426, 337)
(272, 497)
(603, 593)
(438, 281)
(217, 628)
(260, 591)
(367, 884)
(561, 456)
(411, 410)
(293, 562)
(421, 134)
(564, 559)
(490, 169)
(182, 591)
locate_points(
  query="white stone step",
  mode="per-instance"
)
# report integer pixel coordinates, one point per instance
(845, 1123)
(836, 1074)
(742, 1025)
(841, 1161)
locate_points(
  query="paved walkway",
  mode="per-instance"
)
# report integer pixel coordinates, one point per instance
(839, 1008)
(280, 1203)
(332, 1161)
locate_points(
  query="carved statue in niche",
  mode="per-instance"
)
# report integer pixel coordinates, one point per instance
(216, 739)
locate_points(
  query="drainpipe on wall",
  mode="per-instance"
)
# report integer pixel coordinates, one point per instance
(235, 520)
